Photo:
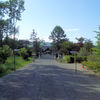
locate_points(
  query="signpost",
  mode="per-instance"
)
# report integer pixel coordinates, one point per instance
(15, 50)
(74, 52)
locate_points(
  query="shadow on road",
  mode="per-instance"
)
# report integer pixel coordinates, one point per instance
(48, 82)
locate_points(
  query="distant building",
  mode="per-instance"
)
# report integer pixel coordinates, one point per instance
(46, 49)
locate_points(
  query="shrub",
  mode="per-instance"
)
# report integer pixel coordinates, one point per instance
(93, 62)
(83, 52)
(70, 59)
(24, 54)
(5, 52)
(93, 58)
(2, 69)
(29, 51)
(79, 59)
(67, 59)
(93, 65)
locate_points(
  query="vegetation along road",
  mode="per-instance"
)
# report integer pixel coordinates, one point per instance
(48, 80)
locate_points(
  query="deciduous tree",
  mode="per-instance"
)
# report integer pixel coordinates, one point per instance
(57, 35)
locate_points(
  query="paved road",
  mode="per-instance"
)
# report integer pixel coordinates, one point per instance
(48, 80)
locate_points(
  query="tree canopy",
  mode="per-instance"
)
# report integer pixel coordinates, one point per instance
(57, 35)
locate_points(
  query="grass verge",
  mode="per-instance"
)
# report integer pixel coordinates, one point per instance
(8, 67)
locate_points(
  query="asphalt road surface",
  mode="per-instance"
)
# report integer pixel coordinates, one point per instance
(45, 79)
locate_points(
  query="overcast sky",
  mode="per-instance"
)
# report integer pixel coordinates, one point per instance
(77, 18)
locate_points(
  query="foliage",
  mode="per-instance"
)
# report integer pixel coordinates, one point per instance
(16, 7)
(70, 59)
(18, 43)
(37, 46)
(24, 54)
(29, 51)
(97, 48)
(93, 62)
(93, 57)
(92, 65)
(33, 36)
(88, 45)
(80, 59)
(68, 46)
(9, 66)
(81, 39)
(80, 42)
(12, 9)
(5, 52)
(58, 36)
(3, 69)
(20, 62)
(23, 44)
(3, 8)
(36, 43)
(83, 52)
(3, 30)
(66, 59)
(10, 42)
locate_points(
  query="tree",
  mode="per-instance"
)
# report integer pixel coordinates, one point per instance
(68, 46)
(15, 8)
(4, 22)
(10, 42)
(3, 9)
(80, 41)
(83, 52)
(24, 54)
(2, 30)
(5, 52)
(36, 42)
(23, 44)
(97, 49)
(88, 45)
(58, 36)
(37, 46)
(33, 35)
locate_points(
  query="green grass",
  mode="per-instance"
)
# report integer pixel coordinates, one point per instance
(9, 65)
(5, 73)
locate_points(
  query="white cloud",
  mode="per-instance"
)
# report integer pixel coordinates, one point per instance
(71, 29)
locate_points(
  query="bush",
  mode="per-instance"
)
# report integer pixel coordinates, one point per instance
(5, 52)
(79, 59)
(83, 52)
(93, 58)
(93, 65)
(2, 69)
(93, 62)
(24, 54)
(68, 59)
(29, 51)
(71, 59)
